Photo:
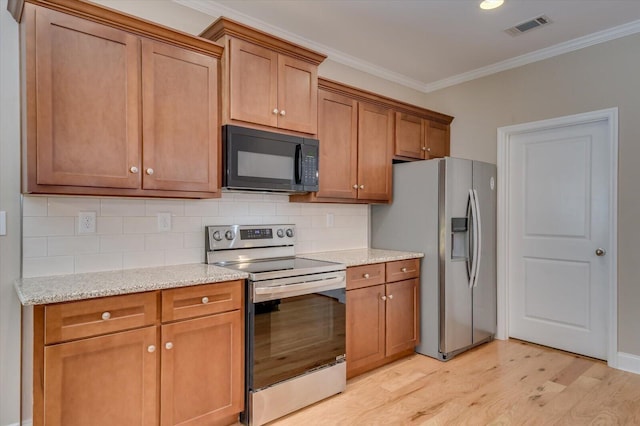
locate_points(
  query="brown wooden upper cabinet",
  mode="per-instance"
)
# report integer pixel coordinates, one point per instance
(112, 112)
(267, 81)
(420, 138)
(360, 134)
(355, 149)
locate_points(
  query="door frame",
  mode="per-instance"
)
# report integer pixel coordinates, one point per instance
(610, 116)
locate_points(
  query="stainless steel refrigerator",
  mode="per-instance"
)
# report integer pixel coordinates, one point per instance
(446, 208)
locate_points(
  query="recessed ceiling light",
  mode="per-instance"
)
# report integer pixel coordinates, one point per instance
(491, 4)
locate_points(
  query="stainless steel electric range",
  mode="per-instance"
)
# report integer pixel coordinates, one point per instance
(295, 319)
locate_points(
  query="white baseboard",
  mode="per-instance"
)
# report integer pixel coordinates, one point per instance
(629, 362)
(25, 423)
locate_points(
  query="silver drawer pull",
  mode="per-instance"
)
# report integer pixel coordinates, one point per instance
(106, 315)
(383, 298)
(404, 269)
(390, 296)
(366, 276)
(205, 300)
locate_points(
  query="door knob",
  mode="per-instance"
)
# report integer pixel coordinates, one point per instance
(600, 251)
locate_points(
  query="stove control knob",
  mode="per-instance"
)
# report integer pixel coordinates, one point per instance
(280, 233)
(217, 236)
(229, 235)
(289, 232)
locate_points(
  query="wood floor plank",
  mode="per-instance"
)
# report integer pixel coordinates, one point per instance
(499, 383)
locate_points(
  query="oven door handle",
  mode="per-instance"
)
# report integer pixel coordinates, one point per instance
(290, 290)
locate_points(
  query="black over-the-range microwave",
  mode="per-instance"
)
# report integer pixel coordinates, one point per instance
(267, 161)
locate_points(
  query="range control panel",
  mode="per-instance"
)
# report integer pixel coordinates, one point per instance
(226, 237)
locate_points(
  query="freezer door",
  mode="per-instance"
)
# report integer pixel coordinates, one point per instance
(484, 290)
(455, 292)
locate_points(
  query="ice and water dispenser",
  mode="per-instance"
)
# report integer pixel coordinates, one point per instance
(459, 239)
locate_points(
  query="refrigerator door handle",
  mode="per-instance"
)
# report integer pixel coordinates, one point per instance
(478, 242)
(474, 233)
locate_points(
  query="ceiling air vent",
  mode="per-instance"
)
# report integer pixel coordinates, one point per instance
(528, 25)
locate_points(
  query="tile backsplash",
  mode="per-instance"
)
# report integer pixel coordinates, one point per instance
(127, 233)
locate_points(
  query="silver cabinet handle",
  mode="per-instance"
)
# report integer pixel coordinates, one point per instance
(355, 186)
(282, 113)
(403, 269)
(134, 169)
(168, 345)
(366, 276)
(600, 251)
(428, 149)
(383, 298)
(390, 296)
(149, 171)
(205, 300)
(106, 315)
(151, 349)
(361, 186)
(424, 148)
(275, 111)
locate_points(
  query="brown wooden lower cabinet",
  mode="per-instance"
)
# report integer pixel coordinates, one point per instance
(382, 318)
(150, 369)
(201, 360)
(106, 380)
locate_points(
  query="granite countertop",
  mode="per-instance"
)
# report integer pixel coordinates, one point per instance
(364, 256)
(66, 288)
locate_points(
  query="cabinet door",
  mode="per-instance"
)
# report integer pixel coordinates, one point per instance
(402, 316)
(365, 327)
(253, 88)
(437, 140)
(409, 136)
(202, 369)
(84, 85)
(180, 119)
(375, 145)
(297, 95)
(338, 135)
(107, 380)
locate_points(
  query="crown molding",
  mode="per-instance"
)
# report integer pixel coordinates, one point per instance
(216, 9)
(538, 55)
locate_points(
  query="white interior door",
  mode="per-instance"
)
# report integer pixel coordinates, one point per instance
(558, 237)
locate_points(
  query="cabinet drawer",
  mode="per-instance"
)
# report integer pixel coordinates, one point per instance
(76, 320)
(365, 275)
(403, 270)
(198, 300)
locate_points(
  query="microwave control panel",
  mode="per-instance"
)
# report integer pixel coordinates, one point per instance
(310, 165)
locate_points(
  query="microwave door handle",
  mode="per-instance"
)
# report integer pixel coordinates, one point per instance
(298, 165)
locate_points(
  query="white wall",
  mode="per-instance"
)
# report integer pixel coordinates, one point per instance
(597, 77)
(127, 229)
(9, 202)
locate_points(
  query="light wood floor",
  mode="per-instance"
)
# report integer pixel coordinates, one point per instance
(500, 383)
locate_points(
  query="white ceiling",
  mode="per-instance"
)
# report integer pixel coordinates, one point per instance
(429, 44)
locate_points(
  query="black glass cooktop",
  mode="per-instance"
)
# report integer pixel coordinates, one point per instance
(282, 268)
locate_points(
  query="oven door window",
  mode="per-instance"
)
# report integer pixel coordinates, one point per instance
(294, 335)
(257, 162)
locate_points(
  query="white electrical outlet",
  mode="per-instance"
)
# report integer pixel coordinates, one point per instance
(329, 220)
(86, 223)
(164, 222)
(3, 223)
